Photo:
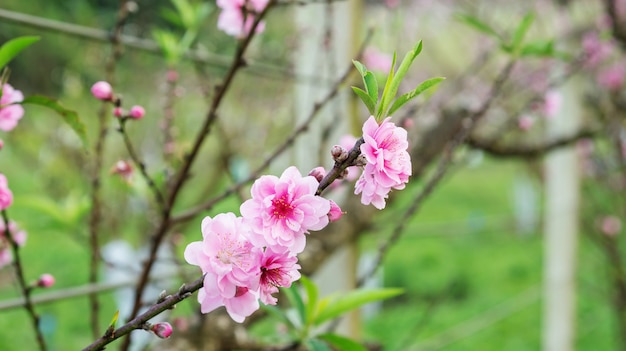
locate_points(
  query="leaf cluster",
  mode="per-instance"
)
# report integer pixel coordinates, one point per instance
(308, 312)
(388, 103)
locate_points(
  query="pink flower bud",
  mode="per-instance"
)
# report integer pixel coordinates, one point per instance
(1, 144)
(124, 169)
(45, 281)
(172, 76)
(118, 112)
(610, 225)
(318, 173)
(102, 90)
(137, 112)
(163, 330)
(525, 122)
(339, 153)
(335, 211)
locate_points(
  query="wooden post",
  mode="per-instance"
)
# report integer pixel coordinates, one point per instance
(312, 59)
(561, 228)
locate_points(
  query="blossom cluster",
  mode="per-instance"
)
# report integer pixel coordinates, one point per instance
(18, 236)
(246, 258)
(388, 162)
(237, 16)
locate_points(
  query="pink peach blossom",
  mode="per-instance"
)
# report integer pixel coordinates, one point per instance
(552, 102)
(277, 270)
(231, 266)
(163, 330)
(335, 212)
(610, 225)
(282, 210)
(235, 20)
(612, 77)
(10, 114)
(525, 122)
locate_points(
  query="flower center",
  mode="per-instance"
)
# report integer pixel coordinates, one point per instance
(271, 276)
(281, 207)
(240, 291)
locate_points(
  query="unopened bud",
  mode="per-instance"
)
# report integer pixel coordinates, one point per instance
(339, 153)
(118, 112)
(360, 161)
(163, 330)
(137, 112)
(102, 90)
(335, 211)
(318, 173)
(45, 281)
(610, 225)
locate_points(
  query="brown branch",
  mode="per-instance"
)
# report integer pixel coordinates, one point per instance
(24, 287)
(138, 322)
(527, 151)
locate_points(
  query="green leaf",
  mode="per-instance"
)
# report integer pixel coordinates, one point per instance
(312, 293)
(70, 117)
(11, 48)
(479, 25)
(539, 48)
(390, 94)
(295, 299)
(371, 86)
(114, 319)
(336, 305)
(520, 32)
(317, 345)
(341, 342)
(367, 100)
(384, 98)
(186, 12)
(403, 99)
(169, 45)
(172, 17)
(360, 67)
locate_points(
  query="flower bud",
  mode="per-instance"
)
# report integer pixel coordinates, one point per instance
(102, 90)
(45, 281)
(339, 153)
(163, 330)
(1, 144)
(124, 169)
(335, 211)
(137, 112)
(318, 173)
(525, 122)
(118, 112)
(361, 160)
(610, 225)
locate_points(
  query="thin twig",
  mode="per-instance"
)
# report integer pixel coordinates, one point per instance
(140, 164)
(26, 289)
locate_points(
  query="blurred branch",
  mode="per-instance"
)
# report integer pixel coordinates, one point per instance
(529, 150)
(618, 27)
(24, 287)
(150, 46)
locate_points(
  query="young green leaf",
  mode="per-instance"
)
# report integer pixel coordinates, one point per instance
(186, 12)
(390, 94)
(70, 117)
(11, 48)
(403, 99)
(539, 48)
(341, 342)
(479, 25)
(312, 293)
(371, 86)
(295, 299)
(367, 100)
(520, 32)
(317, 345)
(360, 67)
(383, 99)
(333, 306)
